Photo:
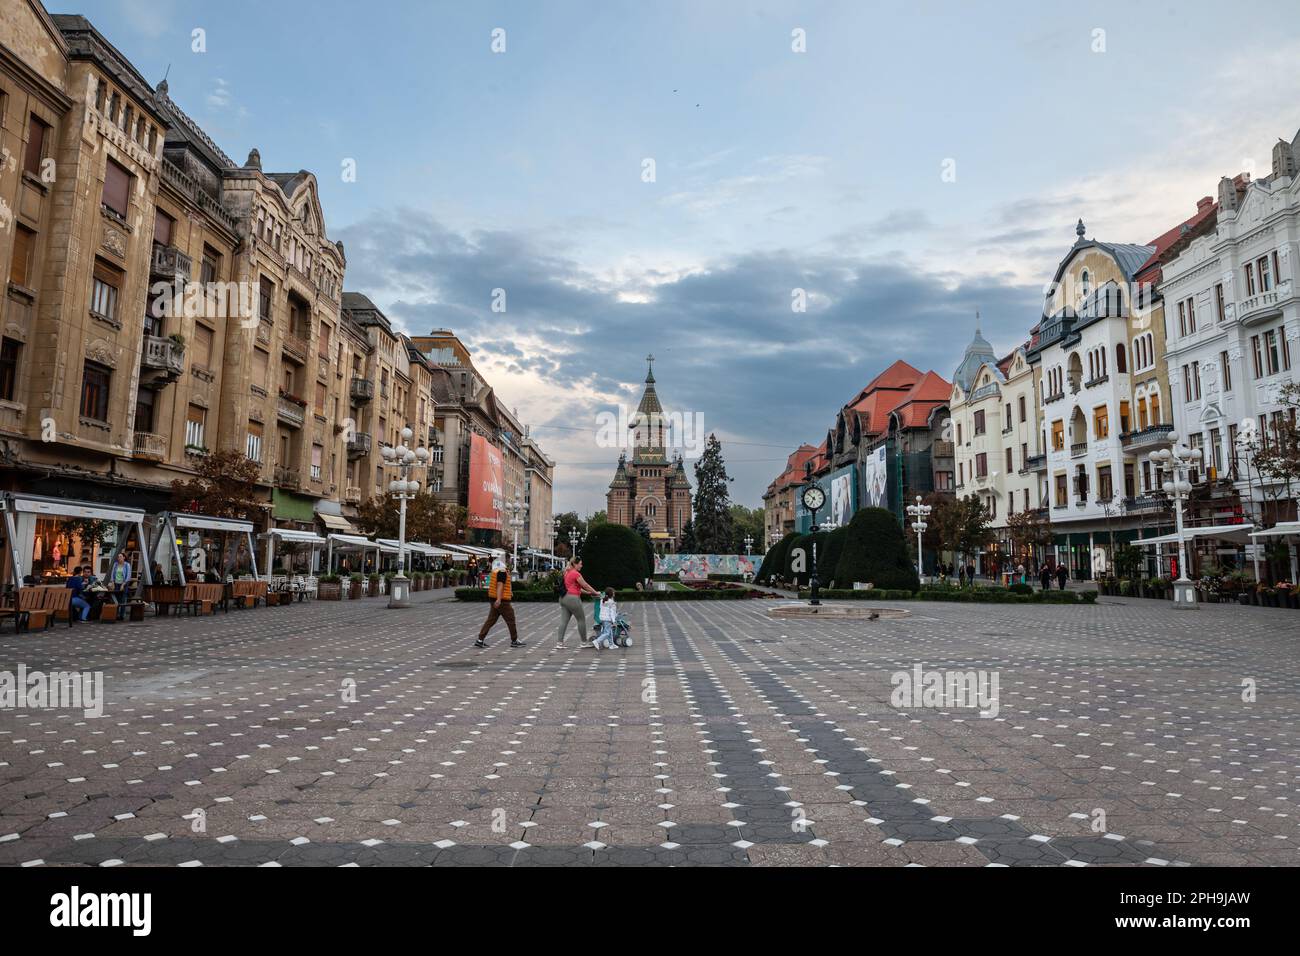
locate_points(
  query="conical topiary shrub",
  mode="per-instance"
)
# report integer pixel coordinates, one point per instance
(875, 552)
(774, 560)
(801, 551)
(828, 556)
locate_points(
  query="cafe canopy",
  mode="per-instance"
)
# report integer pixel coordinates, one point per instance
(22, 512)
(291, 536)
(170, 524)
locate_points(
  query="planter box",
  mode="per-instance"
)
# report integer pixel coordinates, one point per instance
(329, 591)
(354, 590)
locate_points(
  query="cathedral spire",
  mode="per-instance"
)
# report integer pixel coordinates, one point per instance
(650, 369)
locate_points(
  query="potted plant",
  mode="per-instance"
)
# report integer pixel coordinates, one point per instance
(354, 585)
(373, 583)
(1267, 596)
(1286, 594)
(329, 588)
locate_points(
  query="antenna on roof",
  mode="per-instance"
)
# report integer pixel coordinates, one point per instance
(977, 321)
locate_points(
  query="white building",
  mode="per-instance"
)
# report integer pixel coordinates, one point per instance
(1233, 318)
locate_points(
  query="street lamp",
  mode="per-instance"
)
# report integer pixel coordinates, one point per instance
(403, 488)
(749, 543)
(919, 513)
(574, 538)
(516, 509)
(1179, 460)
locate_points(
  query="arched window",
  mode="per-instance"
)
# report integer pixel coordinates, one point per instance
(1120, 365)
(1085, 283)
(1155, 409)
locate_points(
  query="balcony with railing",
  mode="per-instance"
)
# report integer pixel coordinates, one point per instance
(169, 263)
(1036, 463)
(352, 495)
(162, 361)
(1146, 504)
(296, 347)
(361, 390)
(1151, 437)
(290, 409)
(941, 449)
(1260, 307)
(287, 478)
(147, 446)
(359, 446)
(1078, 449)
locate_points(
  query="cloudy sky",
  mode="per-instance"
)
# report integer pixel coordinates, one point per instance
(660, 176)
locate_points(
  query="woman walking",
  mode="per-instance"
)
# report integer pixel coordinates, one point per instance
(571, 602)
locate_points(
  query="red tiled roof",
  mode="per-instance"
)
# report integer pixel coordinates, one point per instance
(931, 392)
(1206, 211)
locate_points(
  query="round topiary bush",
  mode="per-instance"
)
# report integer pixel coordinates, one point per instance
(828, 555)
(614, 556)
(774, 560)
(875, 552)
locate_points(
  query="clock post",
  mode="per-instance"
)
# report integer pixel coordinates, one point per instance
(813, 499)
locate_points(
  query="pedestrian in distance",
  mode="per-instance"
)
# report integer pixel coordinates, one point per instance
(573, 587)
(1045, 576)
(1061, 575)
(961, 574)
(500, 594)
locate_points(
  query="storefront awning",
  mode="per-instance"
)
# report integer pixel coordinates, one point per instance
(204, 523)
(351, 541)
(67, 508)
(1227, 532)
(335, 523)
(1280, 529)
(292, 534)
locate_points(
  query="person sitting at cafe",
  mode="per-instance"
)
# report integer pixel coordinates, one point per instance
(76, 584)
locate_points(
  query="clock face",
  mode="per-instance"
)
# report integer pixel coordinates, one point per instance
(813, 498)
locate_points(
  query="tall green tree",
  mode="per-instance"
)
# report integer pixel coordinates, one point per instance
(746, 522)
(712, 501)
(569, 521)
(688, 538)
(961, 525)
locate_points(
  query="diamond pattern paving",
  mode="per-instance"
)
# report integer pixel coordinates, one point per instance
(337, 733)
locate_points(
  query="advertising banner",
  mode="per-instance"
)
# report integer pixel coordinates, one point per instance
(841, 499)
(875, 479)
(486, 483)
(702, 565)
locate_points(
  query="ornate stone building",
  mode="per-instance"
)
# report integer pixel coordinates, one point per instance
(651, 488)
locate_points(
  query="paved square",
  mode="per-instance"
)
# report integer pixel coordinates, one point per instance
(721, 737)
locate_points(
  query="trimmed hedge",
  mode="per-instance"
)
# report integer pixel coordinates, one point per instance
(614, 556)
(774, 560)
(828, 555)
(628, 595)
(875, 552)
(969, 595)
(804, 542)
(737, 578)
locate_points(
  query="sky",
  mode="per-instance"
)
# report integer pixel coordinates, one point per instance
(661, 177)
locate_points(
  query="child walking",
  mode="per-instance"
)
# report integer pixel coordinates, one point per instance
(608, 620)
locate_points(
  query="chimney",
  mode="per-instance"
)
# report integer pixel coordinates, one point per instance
(1284, 163)
(1203, 202)
(1227, 195)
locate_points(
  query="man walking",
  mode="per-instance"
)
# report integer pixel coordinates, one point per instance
(500, 593)
(1045, 576)
(1061, 575)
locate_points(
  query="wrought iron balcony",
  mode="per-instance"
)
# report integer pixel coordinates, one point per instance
(1078, 449)
(147, 446)
(1153, 436)
(287, 478)
(1036, 463)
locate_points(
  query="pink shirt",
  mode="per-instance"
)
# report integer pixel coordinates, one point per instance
(571, 582)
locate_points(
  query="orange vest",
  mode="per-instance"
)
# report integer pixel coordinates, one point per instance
(494, 586)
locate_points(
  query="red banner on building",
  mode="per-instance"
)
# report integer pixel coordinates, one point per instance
(486, 480)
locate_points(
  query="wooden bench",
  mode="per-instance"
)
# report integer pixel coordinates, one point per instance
(248, 593)
(57, 601)
(164, 597)
(29, 608)
(204, 598)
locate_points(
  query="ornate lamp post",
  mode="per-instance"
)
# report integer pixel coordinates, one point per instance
(574, 538)
(749, 544)
(516, 510)
(919, 513)
(813, 499)
(403, 488)
(1179, 460)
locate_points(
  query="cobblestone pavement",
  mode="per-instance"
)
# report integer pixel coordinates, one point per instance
(721, 737)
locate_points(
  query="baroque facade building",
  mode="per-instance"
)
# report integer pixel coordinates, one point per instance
(1236, 339)
(651, 488)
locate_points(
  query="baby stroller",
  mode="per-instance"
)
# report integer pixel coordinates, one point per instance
(622, 631)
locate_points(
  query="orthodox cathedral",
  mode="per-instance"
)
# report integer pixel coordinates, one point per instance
(650, 487)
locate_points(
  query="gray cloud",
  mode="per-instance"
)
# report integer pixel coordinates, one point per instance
(727, 343)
